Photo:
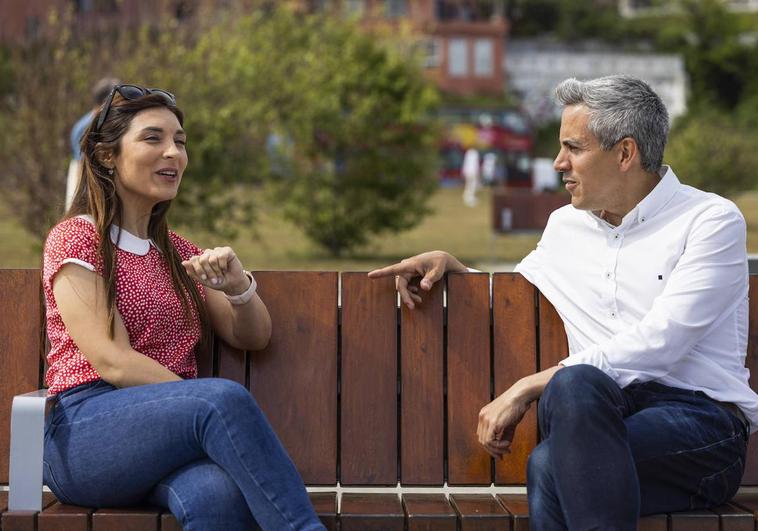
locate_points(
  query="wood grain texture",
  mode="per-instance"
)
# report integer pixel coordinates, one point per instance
(480, 512)
(734, 518)
(371, 512)
(169, 522)
(751, 465)
(294, 379)
(553, 342)
(20, 337)
(422, 407)
(325, 505)
(656, 522)
(204, 354)
(429, 512)
(515, 352)
(137, 519)
(368, 419)
(468, 376)
(24, 520)
(517, 505)
(232, 362)
(694, 521)
(61, 517)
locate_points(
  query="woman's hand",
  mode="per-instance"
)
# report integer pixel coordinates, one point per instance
(218, 269)
(431, 266)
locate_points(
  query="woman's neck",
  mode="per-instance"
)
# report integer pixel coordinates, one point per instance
(136, 220)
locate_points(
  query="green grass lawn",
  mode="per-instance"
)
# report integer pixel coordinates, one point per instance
(463, 231)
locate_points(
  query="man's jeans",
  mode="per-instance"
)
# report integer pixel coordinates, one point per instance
(202, 448)
(609, 455)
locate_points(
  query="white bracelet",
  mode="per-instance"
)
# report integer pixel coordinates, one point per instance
(246, 295)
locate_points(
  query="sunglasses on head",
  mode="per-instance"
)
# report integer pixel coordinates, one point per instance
(131, 92)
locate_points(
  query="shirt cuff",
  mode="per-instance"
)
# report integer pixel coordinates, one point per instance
(592, 356)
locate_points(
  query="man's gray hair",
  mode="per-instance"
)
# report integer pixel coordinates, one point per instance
(621, 106)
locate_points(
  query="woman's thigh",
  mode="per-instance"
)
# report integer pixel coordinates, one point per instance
(689, 454)
(108, 446)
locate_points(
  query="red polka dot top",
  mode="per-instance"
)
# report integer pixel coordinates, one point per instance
(145, 298)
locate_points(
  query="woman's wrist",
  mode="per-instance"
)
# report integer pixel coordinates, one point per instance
(242, 293)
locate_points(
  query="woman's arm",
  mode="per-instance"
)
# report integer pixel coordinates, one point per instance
(82, 302)
(245, 325)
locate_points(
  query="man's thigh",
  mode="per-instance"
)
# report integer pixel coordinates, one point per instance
(689, 453)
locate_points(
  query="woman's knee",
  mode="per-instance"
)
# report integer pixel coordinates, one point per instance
(222, 394)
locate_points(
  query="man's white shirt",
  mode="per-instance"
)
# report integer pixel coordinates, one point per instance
(661, 297)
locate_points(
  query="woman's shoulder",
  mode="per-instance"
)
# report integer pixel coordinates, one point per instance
(77, 229)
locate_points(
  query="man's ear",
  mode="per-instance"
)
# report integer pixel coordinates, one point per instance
(628, 153)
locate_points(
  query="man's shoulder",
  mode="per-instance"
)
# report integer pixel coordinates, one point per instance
(706, 203)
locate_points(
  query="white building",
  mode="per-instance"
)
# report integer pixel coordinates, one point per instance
(534, 68)
(636, 8)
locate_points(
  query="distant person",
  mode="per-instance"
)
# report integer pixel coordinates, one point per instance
(470, 171)
(128, 301)
(489, 169)
(100, 91)
(650, 410)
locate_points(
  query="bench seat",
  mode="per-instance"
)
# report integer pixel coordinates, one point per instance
(380, 512)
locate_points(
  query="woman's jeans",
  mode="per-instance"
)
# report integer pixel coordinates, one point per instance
(202, 448)
(609, 455)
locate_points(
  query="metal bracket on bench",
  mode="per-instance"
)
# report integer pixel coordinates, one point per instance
(27, 441)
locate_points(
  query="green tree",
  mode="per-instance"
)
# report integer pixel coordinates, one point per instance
(713, 151)
(352, 114)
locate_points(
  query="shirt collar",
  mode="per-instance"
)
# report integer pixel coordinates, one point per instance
(126, 241)
(650, 205)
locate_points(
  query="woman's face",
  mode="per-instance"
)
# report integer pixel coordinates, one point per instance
(152, 158)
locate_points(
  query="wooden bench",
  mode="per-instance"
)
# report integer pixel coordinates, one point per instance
(368, 395)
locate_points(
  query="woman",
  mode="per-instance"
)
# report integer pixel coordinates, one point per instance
(127, 302)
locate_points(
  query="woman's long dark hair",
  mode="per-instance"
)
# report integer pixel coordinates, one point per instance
(96, 195)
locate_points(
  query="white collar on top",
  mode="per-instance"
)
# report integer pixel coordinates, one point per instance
(126, 241)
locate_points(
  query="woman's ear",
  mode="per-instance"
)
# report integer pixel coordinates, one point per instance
(104, 156)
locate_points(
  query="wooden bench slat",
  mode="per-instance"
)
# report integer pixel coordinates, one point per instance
(429, 512)
(303, 349)
(468, 376)
(515, 351)
(169, 522)
(480, 512)
(371, 512)
(325, 505)
(751, 362)
(517, 505)
(422, 409)
(20, 336)
(24, 520)
(656, 522)
(694, 521)
(136, 519)
(368, 449)
(232, 363)
(62, 517)
(734, 518)
(747, 501)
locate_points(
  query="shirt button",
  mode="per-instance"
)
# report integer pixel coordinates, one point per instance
(613, 315)
(616, 236)
(609, 275)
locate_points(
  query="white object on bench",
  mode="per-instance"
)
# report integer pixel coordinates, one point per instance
(27, 441)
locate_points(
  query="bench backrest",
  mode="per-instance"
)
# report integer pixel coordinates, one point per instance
(359, 390)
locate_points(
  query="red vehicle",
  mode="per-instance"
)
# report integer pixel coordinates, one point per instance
(503, 139)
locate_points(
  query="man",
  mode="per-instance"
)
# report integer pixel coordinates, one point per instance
(100, 91)
(651, 409)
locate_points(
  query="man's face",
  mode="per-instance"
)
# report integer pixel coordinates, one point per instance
(591, 174)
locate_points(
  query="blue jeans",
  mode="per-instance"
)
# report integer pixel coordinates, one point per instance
(202, 448)
(609, 455)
